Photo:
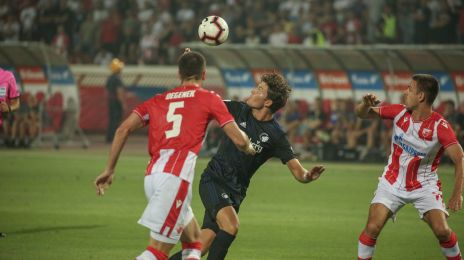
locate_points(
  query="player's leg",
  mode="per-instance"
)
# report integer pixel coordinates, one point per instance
(207, 235)
(432, 210)
(221, 220)
(191, 244)
(156, 250)
(378, 216)
(383, 206)
(436, 219)
(167, 212)
(227, 220)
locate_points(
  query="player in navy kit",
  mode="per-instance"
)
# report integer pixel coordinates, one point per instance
(225, 180)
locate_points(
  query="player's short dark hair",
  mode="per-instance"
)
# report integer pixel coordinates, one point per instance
(429, 85)
(191, 65)
(278, 90)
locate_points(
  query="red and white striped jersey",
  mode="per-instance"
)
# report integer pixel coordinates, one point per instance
(177, 121)
(416, 148)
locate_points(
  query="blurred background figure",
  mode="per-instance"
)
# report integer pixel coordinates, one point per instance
(115, 92)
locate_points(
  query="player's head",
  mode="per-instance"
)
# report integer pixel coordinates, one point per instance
(192, 66)
(272, 92)
(116, 65)
(422, 89)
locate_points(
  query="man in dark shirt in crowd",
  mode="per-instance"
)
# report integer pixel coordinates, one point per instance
(116, 104)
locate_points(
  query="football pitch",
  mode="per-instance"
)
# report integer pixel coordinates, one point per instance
(49, 210)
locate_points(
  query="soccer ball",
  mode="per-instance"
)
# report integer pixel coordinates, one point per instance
(213, 30)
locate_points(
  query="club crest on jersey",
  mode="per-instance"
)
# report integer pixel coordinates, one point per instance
(426, 132)
(264, 137)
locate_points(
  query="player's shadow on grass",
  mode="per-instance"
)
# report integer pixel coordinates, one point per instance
(50, 229)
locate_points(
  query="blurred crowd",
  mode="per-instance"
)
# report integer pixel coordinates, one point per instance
(40, 118)
(329, 130)
(150, 31)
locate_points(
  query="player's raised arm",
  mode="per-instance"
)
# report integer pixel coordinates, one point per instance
(456, 154)
(368, 107)
(301, 174)
(129, 125)
(239, 138)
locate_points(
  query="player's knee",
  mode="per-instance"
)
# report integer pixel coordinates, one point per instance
(232, 227)
(373, 229)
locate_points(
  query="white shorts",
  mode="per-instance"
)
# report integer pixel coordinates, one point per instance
(168, 210)
(423, 199)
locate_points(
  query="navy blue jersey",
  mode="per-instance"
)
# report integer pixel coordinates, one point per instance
(233, 168)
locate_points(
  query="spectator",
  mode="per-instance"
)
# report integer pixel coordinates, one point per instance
(27, 17)
(387, 31)
(109, 33)
(10, 29)
(422, 16)
(88, 36)
(61, 41)
(46, 22)
(116, 101)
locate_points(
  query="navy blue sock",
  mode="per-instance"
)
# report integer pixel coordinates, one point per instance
(220, 245)
(176, 256)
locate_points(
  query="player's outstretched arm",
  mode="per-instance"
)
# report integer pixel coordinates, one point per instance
(368, 107)
(301, 174)
(239, 138)
(456, 154)
(104, 180)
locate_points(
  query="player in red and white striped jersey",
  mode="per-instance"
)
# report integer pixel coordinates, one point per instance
(420, 137)
(177, 121)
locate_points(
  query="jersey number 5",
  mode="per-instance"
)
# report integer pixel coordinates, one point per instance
(176, 119)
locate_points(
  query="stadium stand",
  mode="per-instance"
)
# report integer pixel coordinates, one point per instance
(331, 52)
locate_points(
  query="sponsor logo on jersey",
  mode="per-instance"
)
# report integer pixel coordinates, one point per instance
(257, 146)
(399, 140)
(426, 132)
(224, 195)
(243, 124)
(264, 137)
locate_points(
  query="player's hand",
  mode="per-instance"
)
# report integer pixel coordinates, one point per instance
(455, 203)
(250, 150)
(314, 173)
(4, 106)
(370, 100)
(103, 181)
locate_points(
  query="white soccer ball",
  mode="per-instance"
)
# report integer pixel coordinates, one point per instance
(213, 30)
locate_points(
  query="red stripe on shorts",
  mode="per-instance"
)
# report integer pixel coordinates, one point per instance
(176, 207)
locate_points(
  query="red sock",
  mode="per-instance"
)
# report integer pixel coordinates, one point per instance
(194, 245)
(450, 248)
(158, 254)
(366, 247)
(191, 251)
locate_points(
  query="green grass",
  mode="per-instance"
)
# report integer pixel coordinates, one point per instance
(49, 210)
